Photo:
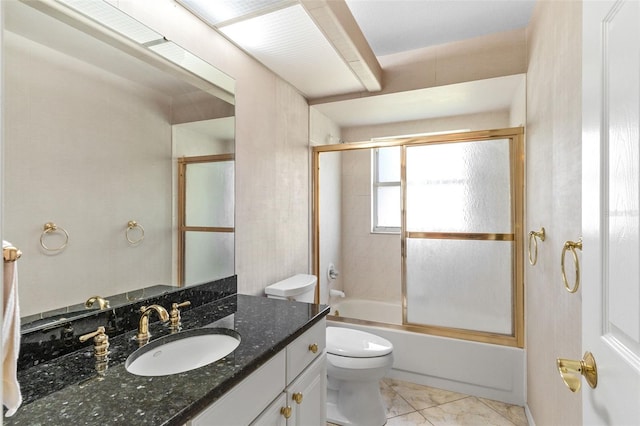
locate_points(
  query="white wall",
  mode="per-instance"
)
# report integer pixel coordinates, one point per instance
(554, 133)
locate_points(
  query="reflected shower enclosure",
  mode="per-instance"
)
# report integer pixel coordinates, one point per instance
(206, 218)
(432, 224)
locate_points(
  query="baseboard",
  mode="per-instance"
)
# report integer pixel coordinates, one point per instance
(527, 412)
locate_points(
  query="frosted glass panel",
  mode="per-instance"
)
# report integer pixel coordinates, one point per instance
(210, 194)
(459, 187)
(389, 164)
(460, 284)
(208, 256)
(388, 206)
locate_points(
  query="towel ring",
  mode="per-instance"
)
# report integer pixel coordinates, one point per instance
(11, 254)
(132, 224)
(571, 246)
(533, 235)
(49, 228)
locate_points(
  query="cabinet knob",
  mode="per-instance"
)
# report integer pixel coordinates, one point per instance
(313, 347)
(286, 412)
(297, 397)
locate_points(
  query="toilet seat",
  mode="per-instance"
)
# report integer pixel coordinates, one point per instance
(353, 363)
(352, 343)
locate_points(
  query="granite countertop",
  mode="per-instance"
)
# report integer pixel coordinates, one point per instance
(67, 390)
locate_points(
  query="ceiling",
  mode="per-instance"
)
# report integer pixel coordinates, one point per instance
(431, 22)
(331, 47)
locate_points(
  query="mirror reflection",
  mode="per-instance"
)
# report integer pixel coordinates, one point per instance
(94, 130)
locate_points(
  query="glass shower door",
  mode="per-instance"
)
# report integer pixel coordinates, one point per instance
(459, 237)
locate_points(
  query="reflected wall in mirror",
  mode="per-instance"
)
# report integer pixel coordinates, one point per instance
(94, 126)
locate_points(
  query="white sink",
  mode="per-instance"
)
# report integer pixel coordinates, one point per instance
(182, 351)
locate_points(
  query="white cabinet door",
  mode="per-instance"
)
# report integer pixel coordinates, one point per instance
(243, 403)
(307, 395)
(273, 415)
(610, 207)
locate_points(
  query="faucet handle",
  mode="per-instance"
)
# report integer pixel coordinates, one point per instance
(174, 315)
(100, 342)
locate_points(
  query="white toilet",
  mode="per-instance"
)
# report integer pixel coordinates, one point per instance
(356, 361)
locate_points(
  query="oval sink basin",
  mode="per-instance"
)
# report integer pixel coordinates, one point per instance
(182, 351)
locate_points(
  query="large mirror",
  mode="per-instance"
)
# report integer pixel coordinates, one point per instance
(98, 112)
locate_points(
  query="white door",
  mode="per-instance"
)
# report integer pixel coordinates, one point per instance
(610, 206)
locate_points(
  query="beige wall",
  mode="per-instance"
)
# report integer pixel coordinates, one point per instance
(272, 136)
(479, 121)
(553, 316)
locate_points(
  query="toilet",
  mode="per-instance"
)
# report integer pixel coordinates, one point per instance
(356, 361)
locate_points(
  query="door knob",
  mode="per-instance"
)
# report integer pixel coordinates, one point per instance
(571, 370)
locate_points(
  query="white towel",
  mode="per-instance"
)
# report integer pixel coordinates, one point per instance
(11, 396)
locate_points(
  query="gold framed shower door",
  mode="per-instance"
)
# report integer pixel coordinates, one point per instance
(516, 139)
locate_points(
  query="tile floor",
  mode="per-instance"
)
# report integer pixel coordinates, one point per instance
(409, 404)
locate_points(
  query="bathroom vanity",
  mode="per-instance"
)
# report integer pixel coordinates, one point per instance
(277, 374)
(293, 384)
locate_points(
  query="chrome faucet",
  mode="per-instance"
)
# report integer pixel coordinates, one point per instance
(143, 328)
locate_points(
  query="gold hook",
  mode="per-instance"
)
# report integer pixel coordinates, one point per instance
(533, 235)
(572, 246)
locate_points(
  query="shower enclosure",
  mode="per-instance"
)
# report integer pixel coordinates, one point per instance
(434, 223)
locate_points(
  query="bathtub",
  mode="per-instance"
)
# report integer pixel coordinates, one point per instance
(480, 369)
(368, 310)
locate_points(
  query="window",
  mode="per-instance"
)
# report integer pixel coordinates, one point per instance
(386, 197)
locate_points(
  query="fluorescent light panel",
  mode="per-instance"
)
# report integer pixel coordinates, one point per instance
(191, 62)
(217, 13)
(107, 15)
(289, 43)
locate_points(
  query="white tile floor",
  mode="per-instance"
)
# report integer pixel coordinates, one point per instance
(409, 404)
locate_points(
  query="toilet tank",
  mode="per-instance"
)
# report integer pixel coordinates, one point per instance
(299, 287)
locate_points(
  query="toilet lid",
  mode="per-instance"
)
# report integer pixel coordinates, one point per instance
(355, 343)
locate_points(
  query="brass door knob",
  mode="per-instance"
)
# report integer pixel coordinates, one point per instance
(571, 370)
(286, 412)
(297, 397)
(313, 348)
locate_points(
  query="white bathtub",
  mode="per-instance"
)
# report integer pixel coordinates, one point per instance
(480, 369)
(368, 310)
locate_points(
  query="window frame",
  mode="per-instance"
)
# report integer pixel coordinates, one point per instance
(375, 185)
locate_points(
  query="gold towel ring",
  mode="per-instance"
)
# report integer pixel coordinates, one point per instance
(11, 254)
(51, 227)
(131, 225)
(572, 246)
(533, 235)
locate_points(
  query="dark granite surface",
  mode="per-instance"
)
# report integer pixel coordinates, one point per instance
(49, 341)
(67, 390)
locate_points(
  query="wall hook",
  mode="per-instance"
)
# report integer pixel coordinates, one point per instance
(533, 237)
